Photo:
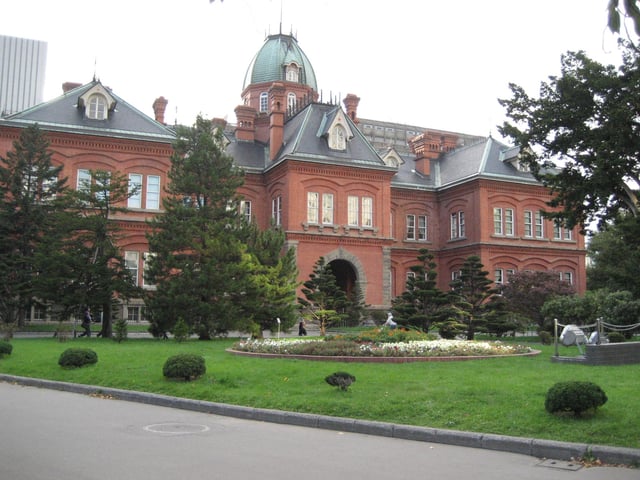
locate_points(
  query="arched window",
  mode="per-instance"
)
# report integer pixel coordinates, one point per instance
(291, 101)
(97, 107)
(264, 101)
(292, 73)
(338, 138)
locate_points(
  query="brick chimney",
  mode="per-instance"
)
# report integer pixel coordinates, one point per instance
(67, 86)
(276, 118)
(429, 146)
(246, 128)
(159, 106)
(351, 102)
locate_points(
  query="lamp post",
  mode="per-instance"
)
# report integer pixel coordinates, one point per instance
(278, 320)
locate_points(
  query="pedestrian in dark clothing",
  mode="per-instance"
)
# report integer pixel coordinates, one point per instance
(86, 323)
(302, 332)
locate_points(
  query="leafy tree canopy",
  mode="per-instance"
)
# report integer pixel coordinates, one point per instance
(581, 137)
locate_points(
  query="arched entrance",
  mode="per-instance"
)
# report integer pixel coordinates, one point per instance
(346, 276)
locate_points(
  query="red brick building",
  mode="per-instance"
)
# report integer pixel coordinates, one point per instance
(365, 195)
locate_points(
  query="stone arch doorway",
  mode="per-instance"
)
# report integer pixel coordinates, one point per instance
(346, 276)
(348, 270)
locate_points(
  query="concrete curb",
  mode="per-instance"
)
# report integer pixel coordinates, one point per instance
(525, 446)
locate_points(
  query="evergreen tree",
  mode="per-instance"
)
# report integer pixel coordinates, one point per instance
(32, 200)
(422, 302)
(101, 276)
(199, 260)
(324, 299)
(472, 293)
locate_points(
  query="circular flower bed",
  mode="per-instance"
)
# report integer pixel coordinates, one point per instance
(380, 344)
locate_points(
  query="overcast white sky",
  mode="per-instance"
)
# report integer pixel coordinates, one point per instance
(430, 63)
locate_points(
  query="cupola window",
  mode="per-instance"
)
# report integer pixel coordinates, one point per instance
(291, 101)
(264, 101)
(338, 138)
(292, 73)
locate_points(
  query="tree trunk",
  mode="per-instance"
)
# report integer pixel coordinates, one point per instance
(107, 327)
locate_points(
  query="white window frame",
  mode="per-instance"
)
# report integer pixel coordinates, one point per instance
(313, 207)
(327, 208)
(528, 223)
(498, 276)
(367, 212)
(132, 264)
(497, 221)
(539, 224)
(411, 227)
(276, 210)
(509, 222)
(83, 183)
(152, 202)
(245, 210)
(135, 183)
(145, 268)
(353, 210)
(97, 109)
(422, 228)
(458, 229)
(264, 102)
(291, 101)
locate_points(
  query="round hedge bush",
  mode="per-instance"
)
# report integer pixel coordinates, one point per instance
(77, 357)
(186, 366)
(5, 348)
(342, 380)
(574, 397)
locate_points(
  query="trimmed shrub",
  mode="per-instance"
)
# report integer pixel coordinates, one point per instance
(77, 357)
(5, 348)
(186, 366)
(545, 337)
(120, 330)
(574, 397)
(180, 330)
(616, 337)
(342, 380)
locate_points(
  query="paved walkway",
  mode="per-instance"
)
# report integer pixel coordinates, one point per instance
(52, 434)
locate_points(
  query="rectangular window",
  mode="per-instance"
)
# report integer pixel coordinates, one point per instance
(422, 228)
(497, 221)
(498, 276)
(327, 208)
(276, 210)
(245, 210)
(528, 223)
(84, 180)
(133, 314)
(135, 191)
(145, 269)
(560, 232)
(353, 210)
(539, 225)
(454, 225)
(367, 212)
(411, 227)
(312, 207)
(131, 264)
(567, 277)
(510, 271)
(508, 221)
(457, 225)
(102, 185)
(153, 192)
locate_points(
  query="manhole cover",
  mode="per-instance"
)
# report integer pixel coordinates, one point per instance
(562, 465)
(176, 428)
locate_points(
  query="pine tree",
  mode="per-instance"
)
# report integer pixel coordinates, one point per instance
(422, 302)
(198, 262)
(324, 299)
(472, 294)
(32, 200)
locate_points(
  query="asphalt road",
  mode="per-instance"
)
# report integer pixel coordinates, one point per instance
(56, 435)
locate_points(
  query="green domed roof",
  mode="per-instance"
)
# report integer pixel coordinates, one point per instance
(269, 63)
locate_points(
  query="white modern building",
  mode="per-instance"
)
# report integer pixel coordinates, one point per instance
(22, 70)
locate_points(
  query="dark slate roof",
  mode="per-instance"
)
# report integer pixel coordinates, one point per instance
(268, 64)
(304, 140)
(251, 156)
(62, 114)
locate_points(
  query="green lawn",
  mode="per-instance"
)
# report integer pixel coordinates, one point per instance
(501, 396)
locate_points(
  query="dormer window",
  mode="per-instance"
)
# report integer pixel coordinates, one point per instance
(97, 102)
(292, 73)
(338, 138)
(97, 107)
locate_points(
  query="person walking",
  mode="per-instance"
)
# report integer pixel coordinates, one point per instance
(302, 332)
(86, 323)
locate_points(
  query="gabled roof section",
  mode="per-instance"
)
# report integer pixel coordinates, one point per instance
(482, 159)
(331, 120)
(66, 114)
(303, 139)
